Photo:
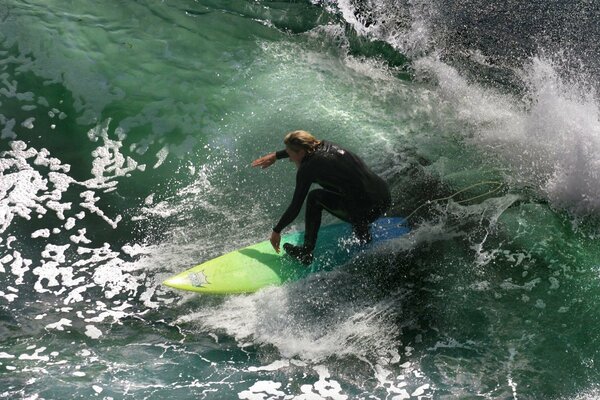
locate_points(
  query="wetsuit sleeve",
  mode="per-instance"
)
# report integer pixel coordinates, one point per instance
(281, 154)
(303, 182)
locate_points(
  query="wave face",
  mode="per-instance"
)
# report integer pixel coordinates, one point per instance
(522, 77)
(126, 134)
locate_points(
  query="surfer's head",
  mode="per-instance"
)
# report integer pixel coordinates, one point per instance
(298, 144)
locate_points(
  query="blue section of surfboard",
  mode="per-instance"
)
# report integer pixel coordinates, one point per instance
(254, 267)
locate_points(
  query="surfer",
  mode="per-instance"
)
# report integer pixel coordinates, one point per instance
(350, 190)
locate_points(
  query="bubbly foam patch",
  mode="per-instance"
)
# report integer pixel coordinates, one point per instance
(324, 388)
(408, 384)
(93, 332)
(34, 184)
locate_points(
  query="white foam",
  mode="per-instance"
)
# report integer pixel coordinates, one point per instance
(60, 325)
(108, 163)
(101, 254)
(45, 233)
(10, 297)
(84, 353)
(5, 260)
(80, 238)
(93, 332)
(420, 390)
(260, 389)
(55, 252)
(90, 203)
(276, 365)
(112, 278)
(75, 295)
(109, 314)
(53, 164)
(28, 123)
(19, 266)
(51, 270)
(70, 223)
(508, 284)
(24, 190)
(401, 395)
(7, 131)
(19, 189)
(327, 387)
(35, 356)
(135, 250)
(161, 156)
(59, 208)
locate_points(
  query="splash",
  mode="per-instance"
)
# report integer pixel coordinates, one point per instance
(406, 25)
(552, 140)
(563, 123)
(549, 134)
(277, 318)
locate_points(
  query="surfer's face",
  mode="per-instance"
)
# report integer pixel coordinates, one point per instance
(296, 156)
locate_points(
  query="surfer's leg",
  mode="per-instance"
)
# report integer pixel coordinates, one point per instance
(362, 232)
(316, 201)
(362, 218)
(359, 214)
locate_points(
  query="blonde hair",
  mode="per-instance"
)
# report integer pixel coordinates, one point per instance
(297, 140)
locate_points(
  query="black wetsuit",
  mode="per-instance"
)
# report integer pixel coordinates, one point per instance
(351, 191)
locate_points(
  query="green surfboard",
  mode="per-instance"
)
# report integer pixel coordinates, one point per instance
(258, 266)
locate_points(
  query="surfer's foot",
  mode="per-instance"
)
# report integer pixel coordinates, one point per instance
(363, 234)
(300, 253)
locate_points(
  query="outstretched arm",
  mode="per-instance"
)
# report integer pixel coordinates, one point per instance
(303, 182)
(269, 159)
(265, 161)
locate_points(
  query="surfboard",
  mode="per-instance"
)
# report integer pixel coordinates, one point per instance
(255, 267)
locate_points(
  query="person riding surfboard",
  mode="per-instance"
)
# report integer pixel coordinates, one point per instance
(349, 190)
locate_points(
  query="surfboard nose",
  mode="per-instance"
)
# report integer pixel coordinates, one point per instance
(177, 282)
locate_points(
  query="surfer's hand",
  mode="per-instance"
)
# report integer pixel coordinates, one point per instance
(265, 161)
(275, 240)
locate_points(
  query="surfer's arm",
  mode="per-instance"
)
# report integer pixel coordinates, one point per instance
(269, 159)
(303, 182)
(281, 154)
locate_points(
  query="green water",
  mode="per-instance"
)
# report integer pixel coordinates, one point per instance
(150, 114)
